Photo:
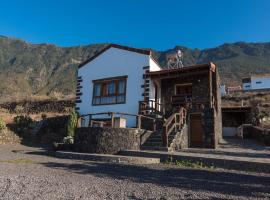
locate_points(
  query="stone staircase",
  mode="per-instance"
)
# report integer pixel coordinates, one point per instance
(175, 141)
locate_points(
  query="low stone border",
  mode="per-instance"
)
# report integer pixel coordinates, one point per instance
(232, 164)
(106, 158)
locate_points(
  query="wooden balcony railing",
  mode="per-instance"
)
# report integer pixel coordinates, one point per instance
(174, 123)
(181, 99)
(151, 107)
(109, 121)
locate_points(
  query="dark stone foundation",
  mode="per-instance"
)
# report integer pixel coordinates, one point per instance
(109, 140)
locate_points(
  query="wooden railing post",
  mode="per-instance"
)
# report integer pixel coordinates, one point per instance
(90, 121)
(139, 122)
(165, 137)
(112, 120)
(154, 125)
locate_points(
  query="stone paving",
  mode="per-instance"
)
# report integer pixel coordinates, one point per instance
(237, 149)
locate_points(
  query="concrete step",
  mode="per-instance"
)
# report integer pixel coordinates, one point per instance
(219, 161)
(150, 143)
(156, 148)
(107, 158)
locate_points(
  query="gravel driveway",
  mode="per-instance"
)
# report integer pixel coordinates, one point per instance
(27, 173)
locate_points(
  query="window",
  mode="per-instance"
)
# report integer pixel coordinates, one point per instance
(258, 82)
(109, 91)
(183, 89)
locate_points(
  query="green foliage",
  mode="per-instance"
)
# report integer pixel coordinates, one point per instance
(72, 124)
(189, 163)
(23, 121)
(2, 124)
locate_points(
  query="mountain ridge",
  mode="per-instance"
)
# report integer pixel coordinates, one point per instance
(47, 69)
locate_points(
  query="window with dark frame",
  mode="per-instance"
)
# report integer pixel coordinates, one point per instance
(109, 91)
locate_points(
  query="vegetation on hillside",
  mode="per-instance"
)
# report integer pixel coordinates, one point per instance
(44, 69)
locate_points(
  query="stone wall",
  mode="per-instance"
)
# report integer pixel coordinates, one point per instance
(200, 89)
(253, 132)
(211, 117)
(108, 140)
(217, 110)
(181, 139)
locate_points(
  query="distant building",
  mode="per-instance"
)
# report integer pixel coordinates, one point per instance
(223, 90)
(256, 82)
(233, 89)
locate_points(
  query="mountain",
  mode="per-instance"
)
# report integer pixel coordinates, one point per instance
(45, 69)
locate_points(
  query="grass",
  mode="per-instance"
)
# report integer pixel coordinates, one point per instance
(188, 163)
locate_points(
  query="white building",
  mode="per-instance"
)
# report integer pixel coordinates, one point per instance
(122, 84)
(223, 90)
(256, 82)
(112, 81)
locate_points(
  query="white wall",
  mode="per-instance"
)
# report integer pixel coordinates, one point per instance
(222, 90)
(111, 63)
(265, 83)
(154, 66)
(246, 86)
(229, 131)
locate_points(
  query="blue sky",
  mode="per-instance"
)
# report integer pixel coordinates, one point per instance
(158, 24)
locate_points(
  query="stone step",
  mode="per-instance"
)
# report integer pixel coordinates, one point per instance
(107, 158)
(151, 143)
(219, 161)
(156, 148)
(156, 139)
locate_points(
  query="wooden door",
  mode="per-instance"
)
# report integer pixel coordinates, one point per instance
(196, 130)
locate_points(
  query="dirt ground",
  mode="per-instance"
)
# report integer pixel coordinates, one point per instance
(28, 173)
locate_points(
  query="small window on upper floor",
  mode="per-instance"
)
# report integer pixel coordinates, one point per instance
(109, 91)
(258, 82)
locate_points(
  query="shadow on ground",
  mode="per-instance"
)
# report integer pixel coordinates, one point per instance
(230, 183)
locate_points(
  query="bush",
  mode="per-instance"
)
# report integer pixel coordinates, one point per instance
(23, 121)
(72, 124)
(2, 124)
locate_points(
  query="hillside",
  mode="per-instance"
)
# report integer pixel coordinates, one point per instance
(45, 69)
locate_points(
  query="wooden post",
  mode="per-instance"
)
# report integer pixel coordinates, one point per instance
(154, 125)
(210, 88)
(164, 137)
(112, 120)
(139, 121)
(90, 121)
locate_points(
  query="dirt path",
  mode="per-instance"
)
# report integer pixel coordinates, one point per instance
(27, 173)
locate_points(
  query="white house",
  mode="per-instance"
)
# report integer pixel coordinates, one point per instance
(256, 82)
(113, 81)
(127, 82)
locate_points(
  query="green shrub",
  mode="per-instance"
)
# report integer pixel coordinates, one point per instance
(23, 121)
(72, 123)
(2, 124)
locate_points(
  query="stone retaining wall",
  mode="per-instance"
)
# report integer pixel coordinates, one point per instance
(108, 140)
(257, 133)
